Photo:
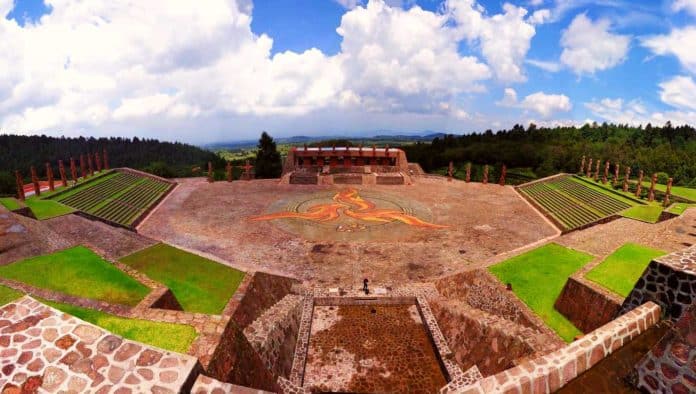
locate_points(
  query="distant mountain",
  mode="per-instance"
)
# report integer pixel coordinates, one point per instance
(375, 137)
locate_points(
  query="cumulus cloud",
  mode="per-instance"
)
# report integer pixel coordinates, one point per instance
(349, 4)
(589, 46)
(679, 42)
(504, 38)
(679, 92)
(105, 65)
(543, 104)
(684, 5)
(540, 16)
(634, 112)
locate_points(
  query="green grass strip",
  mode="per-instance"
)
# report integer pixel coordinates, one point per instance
(679, 208)
(116, 195)
(84, 184)
(80, 272)
(47, 209)
(8, 295)
(679, 191)
(538, 277)
(168, 336)
(10, 203)
(620, 271)
(607, 190)
(200, 285)
(643, 213)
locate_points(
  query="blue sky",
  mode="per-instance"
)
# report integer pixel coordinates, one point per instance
(226, 69)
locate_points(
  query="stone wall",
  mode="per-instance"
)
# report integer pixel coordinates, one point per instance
(274, 334)
(586, 305)
(669, 281)
(552, 371)
(235, 361)
(483, 291)
(263, 291)
(670, 367)
(478, 338)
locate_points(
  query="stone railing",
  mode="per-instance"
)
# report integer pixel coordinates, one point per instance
(550, 372)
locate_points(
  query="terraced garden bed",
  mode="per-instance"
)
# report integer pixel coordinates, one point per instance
(121, 198)
(573, 204)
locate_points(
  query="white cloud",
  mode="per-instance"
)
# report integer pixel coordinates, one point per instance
(686, 5)
(679, 42)
(349, 4)
(543, 104)
(589, 46)
(504, 38)
(105, 66)
(635, 113)
(540, 16)
(679, 92)
(544, 65)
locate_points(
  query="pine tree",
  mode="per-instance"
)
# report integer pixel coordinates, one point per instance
(268, 163)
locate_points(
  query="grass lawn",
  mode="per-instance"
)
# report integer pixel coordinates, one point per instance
(169, 336)
(80, 272)
(7, 295)
(537, 278)
(679, 208)
(607, 189)
(644, 213)
(46, 209)
(681, 191)
(200, 285)
(95, 180)
(10, 203)
(620, 271)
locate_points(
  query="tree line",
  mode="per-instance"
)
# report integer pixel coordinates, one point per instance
(546, 151)
(168, 159)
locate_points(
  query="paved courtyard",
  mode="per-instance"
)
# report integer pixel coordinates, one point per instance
(341, 234)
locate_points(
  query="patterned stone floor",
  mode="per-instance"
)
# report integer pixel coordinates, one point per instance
(371, 349)
(45, 349)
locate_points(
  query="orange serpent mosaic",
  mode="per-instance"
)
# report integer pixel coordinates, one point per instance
(349, 203)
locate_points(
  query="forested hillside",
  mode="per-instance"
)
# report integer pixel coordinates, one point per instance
(167, 159)
(547, 151)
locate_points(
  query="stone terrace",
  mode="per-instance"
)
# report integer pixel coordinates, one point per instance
(46, 349)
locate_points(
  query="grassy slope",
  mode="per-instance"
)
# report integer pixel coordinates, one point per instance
(680, 191)
(10, 203)
(97, 179)
(199, 284)
(620, 270)
(607, 190)
(644, 213)
(46, 209)
(679, 208)
(7, 295)
(537, 278)
(80, 272)
(174, 337)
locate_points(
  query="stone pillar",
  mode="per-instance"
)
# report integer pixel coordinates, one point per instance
(97, 160)
(503, 173)
(61, 169)
(49, 176)
(228, 171)
(582, 165)
(89, 164)
(105, 157)
(20, 185)
(35, 181)
(468, 172)
(626, 176)
(83, 168)
(210, 172)
(596, 173)
(651, 193)
(450, 171)
(485, 174)
(639, 187)
(73, 170)
(606, 172)
(589, 169)
(668, 193)
(616, 174)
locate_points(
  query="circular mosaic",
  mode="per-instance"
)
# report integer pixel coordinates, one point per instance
(350, 215)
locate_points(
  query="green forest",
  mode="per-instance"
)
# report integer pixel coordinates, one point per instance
(546, 151)
(167, 159)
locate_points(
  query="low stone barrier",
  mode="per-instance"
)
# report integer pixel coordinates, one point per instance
(550, 372)
(586, 305)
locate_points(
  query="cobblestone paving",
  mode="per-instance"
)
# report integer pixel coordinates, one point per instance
(208, 385)
(43, 348)
(371, 349)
